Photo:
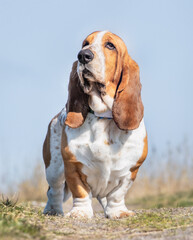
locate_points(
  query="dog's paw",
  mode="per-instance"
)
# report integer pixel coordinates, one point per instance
(116, 213)
(80, 212)
(51, 210)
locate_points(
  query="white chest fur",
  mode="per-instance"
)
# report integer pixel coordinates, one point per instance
(106, 152)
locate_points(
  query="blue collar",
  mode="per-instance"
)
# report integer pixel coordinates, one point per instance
(91, 111)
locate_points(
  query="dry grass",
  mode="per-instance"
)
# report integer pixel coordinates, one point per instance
(34, 188)
(168, 173)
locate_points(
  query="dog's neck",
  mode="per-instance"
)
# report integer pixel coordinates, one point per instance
(107, 114)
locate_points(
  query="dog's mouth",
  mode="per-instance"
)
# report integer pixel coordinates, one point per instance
(86, 74)
(89, 83)
(101, 88)
(86, 85)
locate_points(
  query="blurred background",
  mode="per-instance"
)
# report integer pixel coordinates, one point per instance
(40, 39)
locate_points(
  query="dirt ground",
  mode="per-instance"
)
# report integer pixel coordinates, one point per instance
(26, 221)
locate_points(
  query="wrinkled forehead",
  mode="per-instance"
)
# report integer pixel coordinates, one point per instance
(101, 37)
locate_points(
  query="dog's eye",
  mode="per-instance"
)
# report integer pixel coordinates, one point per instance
(110, 46)
(86, 43)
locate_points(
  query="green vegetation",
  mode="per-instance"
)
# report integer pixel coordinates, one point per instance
(26, 221)
(16, 221)
(157, 219)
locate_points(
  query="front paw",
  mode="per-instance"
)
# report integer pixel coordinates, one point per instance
(80, 212)
(116, 213)
(51, 210)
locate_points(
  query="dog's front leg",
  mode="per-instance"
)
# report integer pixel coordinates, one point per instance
(54, 168)
(55, 192)
(82, 197)
(116, 201)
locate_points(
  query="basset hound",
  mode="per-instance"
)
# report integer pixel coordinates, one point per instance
(95, 146)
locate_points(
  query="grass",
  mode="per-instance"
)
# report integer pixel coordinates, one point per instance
(26, 221)
(16, 221)
(179, 199)
(156, 220)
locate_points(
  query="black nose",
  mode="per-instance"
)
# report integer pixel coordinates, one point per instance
(85, 56)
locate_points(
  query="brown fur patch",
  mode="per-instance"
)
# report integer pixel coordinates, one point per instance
(75, 179)
(90, 38)
(46, 148)
(135, 169)
(128, 108)
(106, 142)
(77, 104)
(111, 63)
(46, 145)
(74, 119)
(111, 89)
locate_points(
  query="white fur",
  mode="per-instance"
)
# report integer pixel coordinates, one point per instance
(97, 47)
(107, 154)
(102, 106)
(96, 104)
(82, 207)
(108, 101)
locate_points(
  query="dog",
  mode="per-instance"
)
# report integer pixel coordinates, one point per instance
(95, 146)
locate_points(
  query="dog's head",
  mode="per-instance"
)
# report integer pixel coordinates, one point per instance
(105, 78)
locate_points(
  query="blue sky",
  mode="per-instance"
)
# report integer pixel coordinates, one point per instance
(40, 39)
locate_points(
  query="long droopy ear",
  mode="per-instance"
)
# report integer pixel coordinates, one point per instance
(77, 104)
(128, 107)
